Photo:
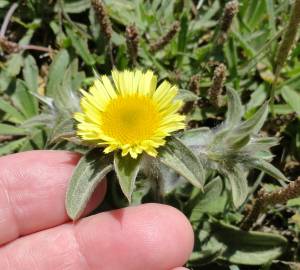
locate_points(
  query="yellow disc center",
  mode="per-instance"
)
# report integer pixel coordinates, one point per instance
(130, 119)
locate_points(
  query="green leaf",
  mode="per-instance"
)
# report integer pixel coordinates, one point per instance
(11, 111)
(255, 123)
(235, 109)
(182, 38)
(57, 72)
(181, 159)
(204, 257)
(35, 140)
(239, 137)
(257, 13)
(269, 169)
(81, 47)
(257, 98)
(77, 77)
(11, 147)
(3, 3)
(261, 144)
(23, 99)
(11, 130)
(89, 172)
(74, 6)
(282, 109)
(241, 247)
(142, 187)
(292, 98)
(126, 169)
(213, 200)
(239, 185)
(294, 202)
(30, 73)
(238, 143)
(196, 136)
(14, 64)
(65, 98)
(64, 127)
(42, 119)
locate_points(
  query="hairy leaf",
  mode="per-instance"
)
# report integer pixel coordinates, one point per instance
(239, 186)
(12, 112)
(126, 169)
(196, 136)
(81, 47)
(30, 74)
(56, 73)
(213, 200)
(269, 169)
(241, 247)
(182, 160)
(6, 129)
(89, 172)
(235, 109)
(292, 98)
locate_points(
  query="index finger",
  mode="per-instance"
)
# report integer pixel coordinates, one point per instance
(32, 191)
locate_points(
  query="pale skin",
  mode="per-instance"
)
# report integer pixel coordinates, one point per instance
(36, 234)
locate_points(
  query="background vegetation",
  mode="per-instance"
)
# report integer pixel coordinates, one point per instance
(51, 48)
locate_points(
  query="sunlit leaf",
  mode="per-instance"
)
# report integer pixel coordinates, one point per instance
(89, 172)
(126, 169)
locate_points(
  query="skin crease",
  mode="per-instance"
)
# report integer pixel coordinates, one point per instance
(35, 232)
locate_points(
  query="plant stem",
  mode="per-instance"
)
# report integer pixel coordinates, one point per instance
(35, 48)
(12, 47)
(7, 19)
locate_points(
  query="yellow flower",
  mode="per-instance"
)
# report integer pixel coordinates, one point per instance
(134, 115)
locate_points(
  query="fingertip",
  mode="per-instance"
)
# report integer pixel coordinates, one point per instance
(151, 236)
(33, 185)
(177, 231)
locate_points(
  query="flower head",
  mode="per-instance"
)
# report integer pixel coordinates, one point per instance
(133, 115)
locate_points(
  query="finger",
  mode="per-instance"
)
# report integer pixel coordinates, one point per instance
(32, 191)
(180, 268)
(147, 237)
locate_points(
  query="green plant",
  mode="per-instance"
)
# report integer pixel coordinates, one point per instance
(50, 49)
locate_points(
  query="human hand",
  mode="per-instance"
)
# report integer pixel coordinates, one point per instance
(35, 232)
